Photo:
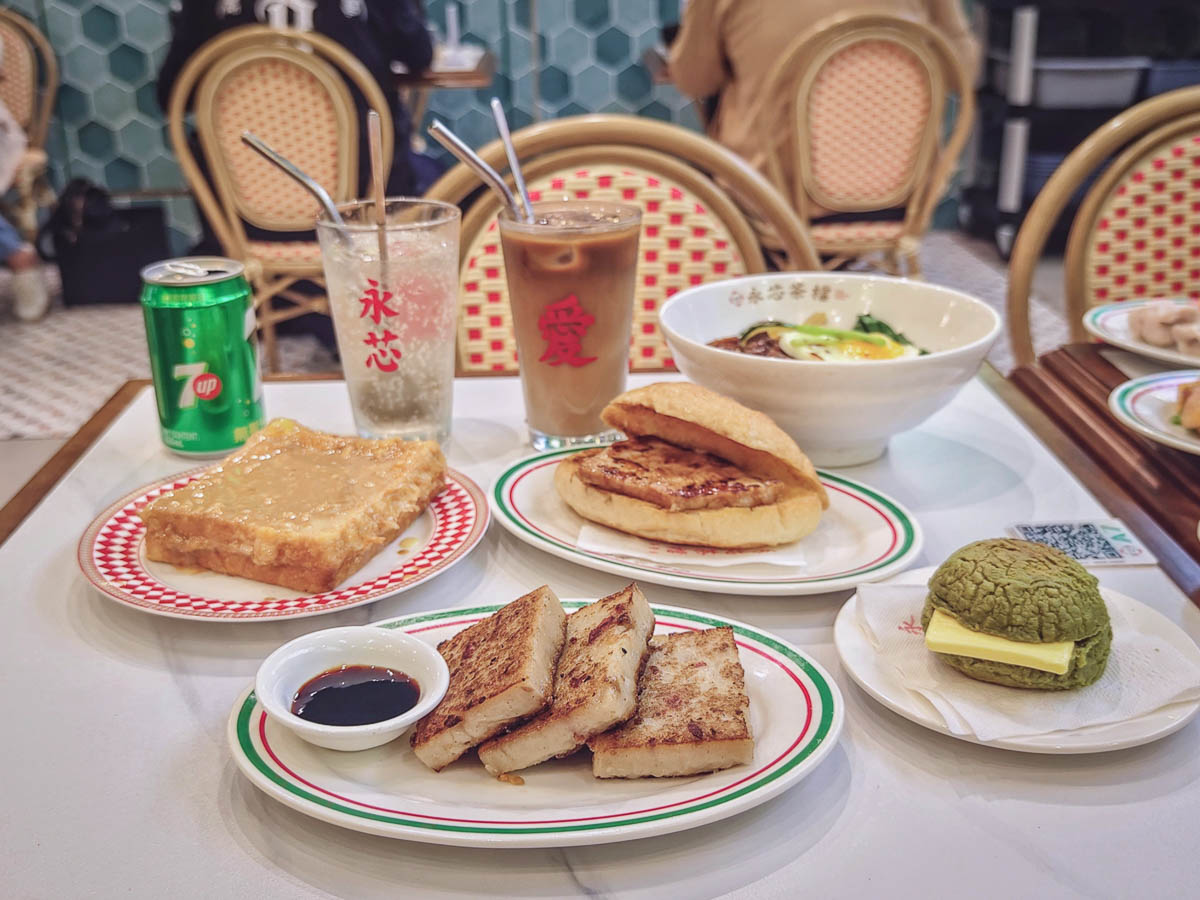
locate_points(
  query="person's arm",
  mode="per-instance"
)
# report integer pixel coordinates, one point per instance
(948, 17)
(697, 65)
(405, 37)
(191, 26)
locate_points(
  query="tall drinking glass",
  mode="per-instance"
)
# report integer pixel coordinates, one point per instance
(570, 287)
(394, 314)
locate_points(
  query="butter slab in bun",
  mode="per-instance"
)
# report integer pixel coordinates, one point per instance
(698, 468)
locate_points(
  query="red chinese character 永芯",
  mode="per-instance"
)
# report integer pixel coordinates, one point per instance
(374, 302)
(563, 325)
(382, 356)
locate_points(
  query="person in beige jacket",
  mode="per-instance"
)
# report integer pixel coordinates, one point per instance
(729, 47)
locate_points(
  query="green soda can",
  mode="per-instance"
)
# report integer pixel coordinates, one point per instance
(203, 353)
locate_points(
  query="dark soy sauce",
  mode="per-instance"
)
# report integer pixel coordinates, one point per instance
(355, 695)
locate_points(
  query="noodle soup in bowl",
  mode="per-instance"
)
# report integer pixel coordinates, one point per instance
(841, 412)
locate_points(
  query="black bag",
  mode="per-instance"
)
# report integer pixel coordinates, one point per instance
(101, 249)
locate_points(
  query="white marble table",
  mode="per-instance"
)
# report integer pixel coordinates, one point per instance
(117, 781)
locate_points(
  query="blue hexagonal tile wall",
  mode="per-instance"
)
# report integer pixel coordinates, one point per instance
(633, 83)
(592, 14)
(612, 47)
(100, 26)
(128, 64)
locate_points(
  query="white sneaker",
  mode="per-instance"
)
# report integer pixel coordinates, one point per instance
(30, 297)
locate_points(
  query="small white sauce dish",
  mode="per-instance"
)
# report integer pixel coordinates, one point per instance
(290, 667)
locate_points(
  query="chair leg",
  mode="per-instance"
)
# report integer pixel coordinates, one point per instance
(266, 326)
(913, 261)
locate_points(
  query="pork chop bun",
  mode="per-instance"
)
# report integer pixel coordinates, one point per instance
(696, 468)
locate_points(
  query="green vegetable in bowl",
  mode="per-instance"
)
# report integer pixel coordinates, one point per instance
(868, 323)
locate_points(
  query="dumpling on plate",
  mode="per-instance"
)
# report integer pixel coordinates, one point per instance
(1187, 338)
(1153, 322)
(1188, 400)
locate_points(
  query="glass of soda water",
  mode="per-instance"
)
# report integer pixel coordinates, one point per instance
(393, 296)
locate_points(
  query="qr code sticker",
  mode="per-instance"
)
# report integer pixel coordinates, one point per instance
(1082, 541)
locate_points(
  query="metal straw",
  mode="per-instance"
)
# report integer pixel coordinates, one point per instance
(514, 164)
(273, 155)
(375, 142)
(470, 158)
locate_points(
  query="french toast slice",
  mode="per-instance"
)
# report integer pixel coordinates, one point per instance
(595, 684)
(296, 507)
(692, 714)
(501, 671)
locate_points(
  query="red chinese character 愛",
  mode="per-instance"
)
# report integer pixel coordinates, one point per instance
(374, 303)
(382, 356)
(563, 325)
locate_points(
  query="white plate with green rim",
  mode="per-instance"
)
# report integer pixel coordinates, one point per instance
(796, 714)
(884, 684)
(1110, 323)
(863, 536)
(1147, 405)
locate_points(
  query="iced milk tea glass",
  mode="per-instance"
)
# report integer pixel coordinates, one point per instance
(394, 318)
(571, 277)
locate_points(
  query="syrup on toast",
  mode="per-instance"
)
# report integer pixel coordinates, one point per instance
(296, 507)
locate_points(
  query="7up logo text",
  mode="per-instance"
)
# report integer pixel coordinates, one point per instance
(199, 383)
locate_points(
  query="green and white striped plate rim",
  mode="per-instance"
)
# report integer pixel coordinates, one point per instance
(1110, 323)
(863, 536)
(1147, 404)
(796, 714)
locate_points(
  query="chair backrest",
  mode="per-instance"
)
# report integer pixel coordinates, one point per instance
(290, 88)
(28, 75)
(852, 116)
(693, 229)
(1137, 232)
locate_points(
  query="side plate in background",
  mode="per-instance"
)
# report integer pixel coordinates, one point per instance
(1147, 404)
(1110, 323)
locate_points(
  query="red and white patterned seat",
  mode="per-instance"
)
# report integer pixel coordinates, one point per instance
(861, 97)
(844, 237)
(1146, 241)
(1136, 234)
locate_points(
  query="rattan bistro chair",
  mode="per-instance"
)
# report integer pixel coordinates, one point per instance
(1137, 232)
(693, 231)
(292, 90)
(28, 86)
(851, 120)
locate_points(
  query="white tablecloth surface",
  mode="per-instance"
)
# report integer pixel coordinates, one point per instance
(117, 780)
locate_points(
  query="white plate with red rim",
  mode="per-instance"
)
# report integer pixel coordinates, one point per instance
(1110, 323)
(883, 683)
(1147, 405)
(863, 536)
(112, 555)
(796, 715)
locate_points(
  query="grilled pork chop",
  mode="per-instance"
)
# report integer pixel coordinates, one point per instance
(672, 477)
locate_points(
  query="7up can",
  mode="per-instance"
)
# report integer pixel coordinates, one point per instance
(203, 353)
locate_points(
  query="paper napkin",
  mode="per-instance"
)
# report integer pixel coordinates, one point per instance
(609, 542)
(1144, 673)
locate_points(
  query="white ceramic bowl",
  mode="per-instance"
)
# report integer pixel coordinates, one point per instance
(291, 666)
(840, 413)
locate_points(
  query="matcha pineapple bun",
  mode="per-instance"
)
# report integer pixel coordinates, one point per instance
(1018, 613)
